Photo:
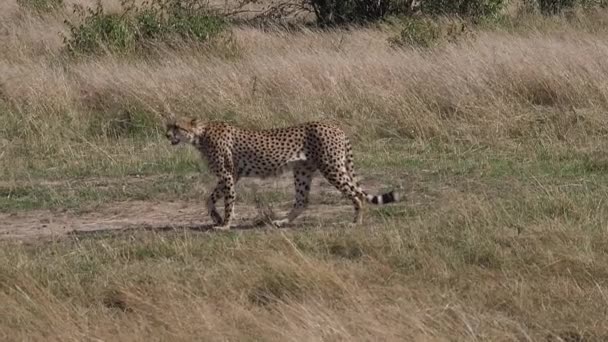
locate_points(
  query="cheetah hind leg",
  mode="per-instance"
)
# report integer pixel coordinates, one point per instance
(302, 177)
(343, 182)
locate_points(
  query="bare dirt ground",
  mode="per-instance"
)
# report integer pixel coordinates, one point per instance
(167, 215)
(131, 215)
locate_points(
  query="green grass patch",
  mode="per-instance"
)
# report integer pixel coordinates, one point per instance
(138, 27)
(88, 194)
(134, 169)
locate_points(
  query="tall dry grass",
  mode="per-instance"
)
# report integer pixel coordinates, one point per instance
(484, 249)
(497, 88)
(418, 282)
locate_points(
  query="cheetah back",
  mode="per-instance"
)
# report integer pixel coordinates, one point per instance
(271, 152)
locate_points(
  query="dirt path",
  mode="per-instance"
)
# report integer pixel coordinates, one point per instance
(164, 215)
(133, 215)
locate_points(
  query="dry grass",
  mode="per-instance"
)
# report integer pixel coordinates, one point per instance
(395, 281)
(497, 90)
(501, 139)
(455, 276)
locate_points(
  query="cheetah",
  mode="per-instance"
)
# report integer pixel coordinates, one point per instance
(233, 153)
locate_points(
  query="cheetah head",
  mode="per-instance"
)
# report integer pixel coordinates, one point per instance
(181, 131)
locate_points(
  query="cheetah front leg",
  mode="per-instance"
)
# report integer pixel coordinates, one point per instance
(216, 195)
(229, 198)
(225, 189)
(222, 165)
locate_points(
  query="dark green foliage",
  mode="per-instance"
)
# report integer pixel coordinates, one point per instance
(462, 8)
(552, 7)
(340, 12)
(138, 26)
(555, 6)
(100, 30)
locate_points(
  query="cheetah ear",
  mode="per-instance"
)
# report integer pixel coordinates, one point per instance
(194, 122)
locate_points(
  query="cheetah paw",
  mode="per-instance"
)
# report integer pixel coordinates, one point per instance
(279, 223)
(221, 228)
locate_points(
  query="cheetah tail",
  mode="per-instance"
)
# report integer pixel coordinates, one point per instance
(385, 198)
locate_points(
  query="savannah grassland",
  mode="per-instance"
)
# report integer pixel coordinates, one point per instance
(498, 144)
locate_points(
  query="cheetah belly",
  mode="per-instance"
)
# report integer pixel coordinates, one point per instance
(262, 166)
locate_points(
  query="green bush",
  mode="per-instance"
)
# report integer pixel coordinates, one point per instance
(555, 6)
(550, 7)
(41, 5)
(427, 32)
(462, 8)
(136, 26)
(338, 12)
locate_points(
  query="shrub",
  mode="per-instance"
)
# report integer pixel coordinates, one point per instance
(100, 30)
(462, 8)
(550, 7)
(338, 12)
(136, 26)
(41, 5)
(554, 6)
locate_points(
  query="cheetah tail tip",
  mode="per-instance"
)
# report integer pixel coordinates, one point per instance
(396, 196)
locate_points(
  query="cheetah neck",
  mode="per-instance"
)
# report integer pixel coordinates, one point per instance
(198, 135)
